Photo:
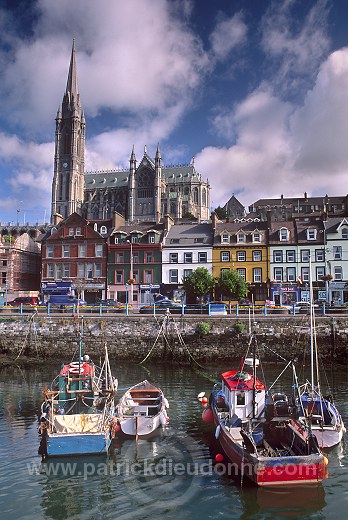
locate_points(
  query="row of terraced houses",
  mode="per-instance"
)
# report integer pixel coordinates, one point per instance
(113, 259)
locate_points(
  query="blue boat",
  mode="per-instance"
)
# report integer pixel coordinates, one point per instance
(77, 414)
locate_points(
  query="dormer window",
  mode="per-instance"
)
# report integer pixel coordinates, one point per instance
(256, 237)
(225, 238)
(311, 234)
(240, 237)
(345, 233)
(71, 232)
(116, 240)
(103, 230)
(151, 239)
(78, 231)
(283, 235)
(134, 240)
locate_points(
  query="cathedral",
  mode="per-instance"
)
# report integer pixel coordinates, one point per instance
(145, 192)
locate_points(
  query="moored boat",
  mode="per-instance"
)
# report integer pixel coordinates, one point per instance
(77, 414)
(142, 409)
(260, 434)
(326, 422)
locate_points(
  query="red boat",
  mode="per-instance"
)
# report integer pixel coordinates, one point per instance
(260, 434)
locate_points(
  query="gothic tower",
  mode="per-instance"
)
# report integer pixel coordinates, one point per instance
(69, 162)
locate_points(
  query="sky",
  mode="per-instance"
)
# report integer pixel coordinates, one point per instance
(255, 90)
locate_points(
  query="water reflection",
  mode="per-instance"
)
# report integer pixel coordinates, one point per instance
(117, 486)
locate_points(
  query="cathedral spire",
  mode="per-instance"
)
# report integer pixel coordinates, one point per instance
(71, 86)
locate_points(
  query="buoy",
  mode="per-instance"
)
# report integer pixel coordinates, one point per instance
(219, 457)
(326, 461)
(117, 427)
(208, 416)
(166, 403)
(200, 395)
(204, 400)
(217, 431)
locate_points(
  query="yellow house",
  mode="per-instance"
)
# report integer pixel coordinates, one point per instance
(243, 245)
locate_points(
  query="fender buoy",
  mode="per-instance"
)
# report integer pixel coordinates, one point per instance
(166, 403)
(217, 431)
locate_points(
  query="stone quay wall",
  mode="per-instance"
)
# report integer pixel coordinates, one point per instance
(132, 338)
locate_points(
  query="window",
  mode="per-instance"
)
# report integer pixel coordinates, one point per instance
(225, 270)
(119, 277)
(278, 274)
(116, 240)
(66, 251)
(242, 273)
(291, 256)
(290, 274)
(257, 256)
(49, 251)
(278, 256)
(50, 270)
(89, 271)
(305, 255)
(148, 276)
(256, 237)
(345, 233)
(225, 256)
(225, 238)
(338, 273)
(78, 232)
(148, 257)
(82, 250)
(240, 237)
(98, 270)
(240, 398)
(134, 240)
(241, 256)
(80, 270)
(103, 230)
(319, 255)
(187, 272)
(119, 257)
(173, 258)
(151, 239)
(202, 258)
(135, 275)
(59, 271)
(320, 272)
(283, 235)
(199, 240)
(188, 258)
(311, 234)
(99, 250)
(173, 276)
(66, 270)
(305, 274)
(337, 252)
(135, 258)
(71, 232)
(257, 275)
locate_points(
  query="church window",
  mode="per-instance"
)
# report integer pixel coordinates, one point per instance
(195, 195)
(204, 197)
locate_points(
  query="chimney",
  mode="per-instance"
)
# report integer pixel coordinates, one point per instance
(214, 220)
(117, 220)
(57, 218)
(168, 222)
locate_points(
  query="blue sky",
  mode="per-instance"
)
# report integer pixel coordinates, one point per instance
(255, 90)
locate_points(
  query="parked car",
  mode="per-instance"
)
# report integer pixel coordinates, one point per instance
(244, 302)
(162, 306)
(64, 300)
(109, 302)
(301, 307)
(24, 300)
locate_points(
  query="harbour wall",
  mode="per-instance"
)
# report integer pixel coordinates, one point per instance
(173, 340)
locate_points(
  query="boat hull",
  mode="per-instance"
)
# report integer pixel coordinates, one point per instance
(59, 445)
(271, 471)
(142, 426)
(327, 437)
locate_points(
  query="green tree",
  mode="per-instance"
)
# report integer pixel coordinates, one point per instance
(231, 285)
(221, 213)
(198, 284)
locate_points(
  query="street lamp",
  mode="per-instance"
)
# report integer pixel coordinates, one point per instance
(131, 271)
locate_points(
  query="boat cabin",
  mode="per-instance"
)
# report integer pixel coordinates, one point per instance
(242, 394)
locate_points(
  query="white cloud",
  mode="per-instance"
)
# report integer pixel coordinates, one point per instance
(227, 35)
(283, 148)
(296, 46)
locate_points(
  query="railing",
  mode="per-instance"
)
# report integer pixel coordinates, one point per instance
(181, 309)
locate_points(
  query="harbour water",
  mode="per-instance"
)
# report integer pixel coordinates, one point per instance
(171, 475)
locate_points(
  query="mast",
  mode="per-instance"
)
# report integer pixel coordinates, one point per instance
(311, 327)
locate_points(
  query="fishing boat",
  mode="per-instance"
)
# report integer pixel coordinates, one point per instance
(77, 414)
(259, 432)
(142, 409)
(326, 421)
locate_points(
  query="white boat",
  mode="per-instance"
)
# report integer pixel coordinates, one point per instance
(326, 421)
(142, 409)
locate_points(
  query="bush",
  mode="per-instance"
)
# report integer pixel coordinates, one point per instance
(203, 327)
(239, 327)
